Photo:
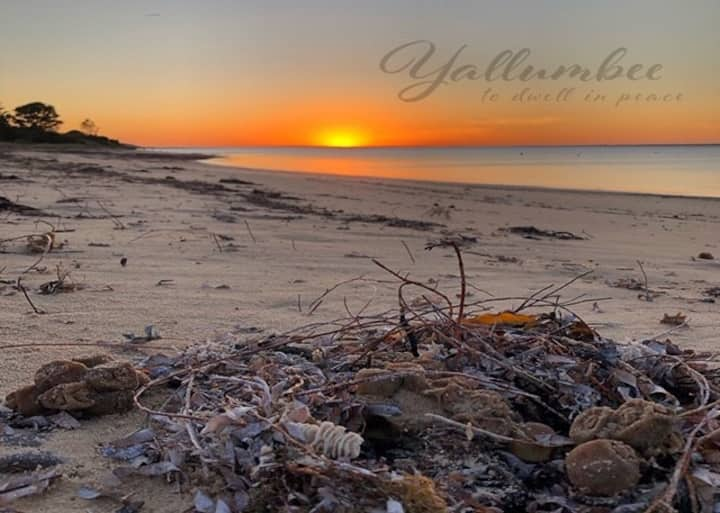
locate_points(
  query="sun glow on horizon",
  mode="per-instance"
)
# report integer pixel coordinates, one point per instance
(341, 138)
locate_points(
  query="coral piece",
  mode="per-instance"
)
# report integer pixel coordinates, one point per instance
(112, 377)
(68, 397)
(59, 372)
(603, 467)
(331, 440)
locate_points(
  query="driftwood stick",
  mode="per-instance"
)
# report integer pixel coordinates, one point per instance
(648, 297)
(471, 428)
(27, 297)
(247, 225)
(412, 258)
(118, 224)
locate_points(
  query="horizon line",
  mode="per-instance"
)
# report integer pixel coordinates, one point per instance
(435, 146)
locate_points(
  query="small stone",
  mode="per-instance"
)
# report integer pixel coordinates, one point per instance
(59, 372)
(25, 401)
(531, 451)
(68, 397)
(603, 467)
(705, 255)
(112, 377)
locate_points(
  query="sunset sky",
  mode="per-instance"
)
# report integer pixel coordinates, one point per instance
(270, 72)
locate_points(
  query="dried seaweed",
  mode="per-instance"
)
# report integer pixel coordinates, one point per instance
(535, 233)
(429, 408)
(7, 205)
(16, 487)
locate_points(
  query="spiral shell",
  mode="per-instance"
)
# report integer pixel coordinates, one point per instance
(331, 440)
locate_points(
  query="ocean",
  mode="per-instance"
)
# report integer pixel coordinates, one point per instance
(664, 170)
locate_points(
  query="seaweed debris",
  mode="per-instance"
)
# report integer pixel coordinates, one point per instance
(434, 408)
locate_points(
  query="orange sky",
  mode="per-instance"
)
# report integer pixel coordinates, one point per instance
(225, 73)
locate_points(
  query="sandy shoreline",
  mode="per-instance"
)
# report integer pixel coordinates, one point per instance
(212, 249)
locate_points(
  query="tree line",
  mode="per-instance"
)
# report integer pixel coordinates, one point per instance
(39, 122)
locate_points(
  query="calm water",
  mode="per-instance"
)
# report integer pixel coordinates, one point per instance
(676, 170)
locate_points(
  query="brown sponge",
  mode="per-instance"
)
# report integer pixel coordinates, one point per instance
(108, 403)
(112, 377)
(59, 372)
(603, 467)
(68, 397)
(25, 401)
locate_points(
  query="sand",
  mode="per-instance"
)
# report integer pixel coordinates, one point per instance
(205, 258)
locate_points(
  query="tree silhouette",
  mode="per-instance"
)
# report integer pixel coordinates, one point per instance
(37, 115)
(4, 117)
(89, 127)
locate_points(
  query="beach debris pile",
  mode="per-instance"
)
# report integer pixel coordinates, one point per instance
(94, 385)
(434, 407)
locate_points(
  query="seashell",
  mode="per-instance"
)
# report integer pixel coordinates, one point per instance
(530, 450)
(330, 439)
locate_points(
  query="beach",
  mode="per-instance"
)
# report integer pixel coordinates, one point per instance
(200, 251)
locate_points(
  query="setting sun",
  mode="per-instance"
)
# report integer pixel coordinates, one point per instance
(341, 138)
